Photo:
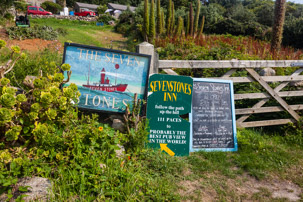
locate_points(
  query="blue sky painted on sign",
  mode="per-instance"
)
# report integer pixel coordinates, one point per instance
(132, 69)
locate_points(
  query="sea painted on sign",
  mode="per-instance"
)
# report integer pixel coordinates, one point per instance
(107, 79)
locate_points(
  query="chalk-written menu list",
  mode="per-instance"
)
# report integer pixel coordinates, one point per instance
(212, 118)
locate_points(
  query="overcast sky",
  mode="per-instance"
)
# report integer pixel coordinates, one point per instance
(296, 1)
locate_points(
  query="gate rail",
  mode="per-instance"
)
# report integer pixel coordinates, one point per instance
(249, 66)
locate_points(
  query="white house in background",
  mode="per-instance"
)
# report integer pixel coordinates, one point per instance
(116, 9)
(120, 7)
(37, 2)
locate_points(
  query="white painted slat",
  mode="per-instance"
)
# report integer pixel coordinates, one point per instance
(265, 95)
(265, 123)
(170, 72)
(266, 109)
(229, 73)
(262, 102)
(166, 64)
(265, 78)
(274, 94)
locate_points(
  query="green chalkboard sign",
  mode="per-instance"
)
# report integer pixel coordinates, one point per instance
(169, 97)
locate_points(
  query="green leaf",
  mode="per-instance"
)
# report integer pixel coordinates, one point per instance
(20, 198)
(7, 183)
(9, 196)
(23, 188)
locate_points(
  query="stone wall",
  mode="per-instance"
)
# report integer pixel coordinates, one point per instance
(70, 17)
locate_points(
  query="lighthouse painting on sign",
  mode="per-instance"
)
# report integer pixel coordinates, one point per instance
(107, 79)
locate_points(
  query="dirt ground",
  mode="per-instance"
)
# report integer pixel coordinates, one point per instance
(31, 45)
(241, 188)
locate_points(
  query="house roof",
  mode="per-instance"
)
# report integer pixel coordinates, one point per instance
(120, 7)
(91, 6)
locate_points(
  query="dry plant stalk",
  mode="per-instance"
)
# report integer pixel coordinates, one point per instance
(133, 118)
(4, 69)
(69, 73)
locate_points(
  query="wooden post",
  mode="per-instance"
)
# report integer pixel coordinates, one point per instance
(148, 49)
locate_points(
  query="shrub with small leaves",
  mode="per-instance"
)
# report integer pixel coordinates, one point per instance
(46, 98)
(13, 133)
(7, 100)
(2, 44)
(58, 77)
(37, 113)
(65, 67)
(42, 32)
(40, 131)
(5, 115)
(21, 98)
(4, 81)
(16, 49)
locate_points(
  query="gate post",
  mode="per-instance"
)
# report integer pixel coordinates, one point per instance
(148, 49)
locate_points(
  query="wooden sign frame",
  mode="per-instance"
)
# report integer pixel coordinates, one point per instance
(233, 118)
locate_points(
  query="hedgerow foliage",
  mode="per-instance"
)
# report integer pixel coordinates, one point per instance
(43, 134)
(51, 6)
(39, 113)
(41, 32)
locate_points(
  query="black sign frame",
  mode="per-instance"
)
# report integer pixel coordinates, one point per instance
(93, 48)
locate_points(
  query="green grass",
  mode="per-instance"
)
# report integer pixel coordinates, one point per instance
(261, 157)
(84, 32)
(155, 176)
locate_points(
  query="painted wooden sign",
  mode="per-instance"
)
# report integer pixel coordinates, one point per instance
(169, 97)
(107, 79)
(213, 125)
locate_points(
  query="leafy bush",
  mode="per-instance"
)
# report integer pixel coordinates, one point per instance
(2, 21)
(62, 31)
(228, 26)
(124, 24)
(254, 29)
(46, 60)
(213, 14)
(20, 5)
(293, 32)
(221, 47)
(131, 24)
(105, 18)
(4, 6)
(241, 14)
(265, 14)
(41, 32)
(43, 134)
(36, 116)
(8, 16)
(101, 9)
(51, 6)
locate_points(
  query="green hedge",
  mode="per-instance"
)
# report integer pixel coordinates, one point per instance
(51, 6)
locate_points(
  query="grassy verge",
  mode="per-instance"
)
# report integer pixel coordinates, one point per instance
(75, 163)
(84, 32)
(261, 166)
(263, 163)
